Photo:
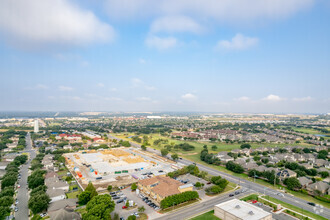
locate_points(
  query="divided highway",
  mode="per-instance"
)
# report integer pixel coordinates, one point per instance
(245, 184)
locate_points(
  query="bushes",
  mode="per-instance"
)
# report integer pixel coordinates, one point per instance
(236, 168)
(178, 199)
(213, 190)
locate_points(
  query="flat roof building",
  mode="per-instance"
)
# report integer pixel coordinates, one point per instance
(238, 210)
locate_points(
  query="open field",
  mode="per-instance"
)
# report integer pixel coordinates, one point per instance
(197, 144)
(307, 130)
(206, 216)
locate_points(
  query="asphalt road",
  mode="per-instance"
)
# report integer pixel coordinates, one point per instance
(193, 210)
(300, 203)
(23, 193)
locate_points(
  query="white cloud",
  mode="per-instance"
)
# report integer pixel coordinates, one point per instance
(65, 88)
(142, 61)
(100, 85)
(243, 98)
(274, 98)
(171, 24)
(39, 23)
(113, 89)
(138, 83)
(238, 42)
(302, 99)
(143, 99)
(160, 43)
(238, 11)
(188, 96)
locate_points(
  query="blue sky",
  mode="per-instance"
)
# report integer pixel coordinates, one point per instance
(145, 55)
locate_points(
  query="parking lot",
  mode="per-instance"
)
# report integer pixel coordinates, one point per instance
(132, 196)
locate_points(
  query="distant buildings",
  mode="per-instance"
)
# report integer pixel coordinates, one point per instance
(36, 126)
(236, 210)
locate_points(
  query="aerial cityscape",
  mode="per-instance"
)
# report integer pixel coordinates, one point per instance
(166, 110)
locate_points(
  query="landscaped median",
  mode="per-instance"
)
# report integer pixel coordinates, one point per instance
(279, 206)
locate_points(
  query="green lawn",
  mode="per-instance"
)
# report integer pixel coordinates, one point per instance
(250, 197)
(73, 195)
(306, 130)
(206, 216)
(294, 208)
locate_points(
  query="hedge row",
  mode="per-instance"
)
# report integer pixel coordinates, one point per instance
(178, 199)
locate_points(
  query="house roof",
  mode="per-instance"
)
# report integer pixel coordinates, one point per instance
(62, 204)
(51, 175)
(322, 186)
(304, 180)
(55, 192)
(164, 185)
(64, 214)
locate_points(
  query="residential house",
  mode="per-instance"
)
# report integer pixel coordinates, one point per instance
(320, 186)
(65, 214)
(66, 203)
(304, 181)
(283, 174)
(55, 194)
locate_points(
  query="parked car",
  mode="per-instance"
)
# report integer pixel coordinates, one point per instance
(254, 201)
(116, 197)
(120, 201)
(237, 192)
(208, 183)
(231, 195)
(16, 209)
(124, 207)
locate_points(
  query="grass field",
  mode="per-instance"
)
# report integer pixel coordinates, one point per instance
(197, 144)
(73, 195)
(307, 130)
(206, 216)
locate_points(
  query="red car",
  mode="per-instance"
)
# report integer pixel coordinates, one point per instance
(124, 207)
(254, 201)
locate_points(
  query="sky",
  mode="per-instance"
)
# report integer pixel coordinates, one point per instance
(256, 56)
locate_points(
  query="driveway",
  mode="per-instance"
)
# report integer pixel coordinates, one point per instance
(23, 193)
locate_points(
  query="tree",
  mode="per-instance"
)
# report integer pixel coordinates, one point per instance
(8, 181)
(214, 189)
(36, 181)
(292, 183)
(164, 152)
(38, 190)
(109, 188)
(116, 216)
(8, 191)
(248, 146)
(99, 207)
(322, 154)
(133, 187)
(198, 185)
(38, 203)
(131, 217)
(6, 201)
(324, 174)
(214, 147)
(175, 157)
(84, 197)
(4, 212)
(127, 203)
(143, 147)
(141, 209)
(90, 188)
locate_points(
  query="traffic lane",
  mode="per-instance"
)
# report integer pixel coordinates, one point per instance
(193, 210)
(300, 203)
(23, 193)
